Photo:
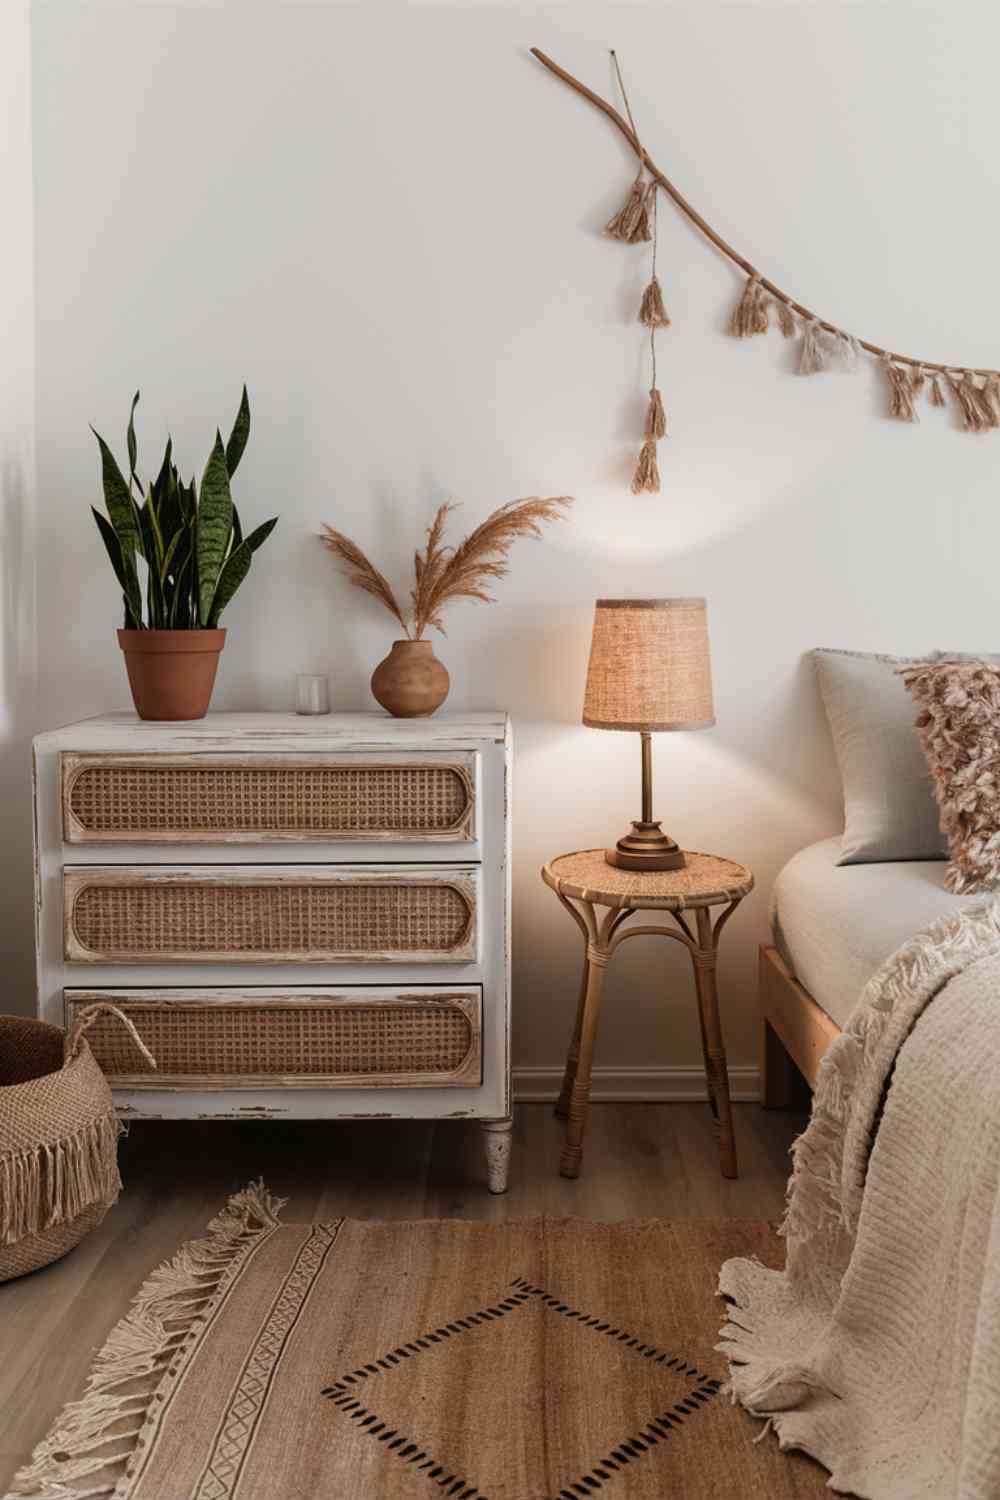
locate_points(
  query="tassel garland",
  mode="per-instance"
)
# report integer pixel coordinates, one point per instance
(815, 349)
(631, 223)
(656, 417)
(646, 479)
(824, 345)
(652, 311)
(900, 392)
(750, 314)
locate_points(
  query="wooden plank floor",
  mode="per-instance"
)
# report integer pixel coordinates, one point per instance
(640, 1160)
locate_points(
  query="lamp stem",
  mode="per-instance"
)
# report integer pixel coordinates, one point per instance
(647, 776)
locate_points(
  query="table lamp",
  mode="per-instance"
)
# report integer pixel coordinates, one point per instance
(649, 671)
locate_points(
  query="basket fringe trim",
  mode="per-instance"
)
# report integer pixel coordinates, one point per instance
(775, 1319)
(55, 1182)
(87, 1452)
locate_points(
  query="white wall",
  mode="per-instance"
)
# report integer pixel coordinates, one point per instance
(385, 218)
(18, 657)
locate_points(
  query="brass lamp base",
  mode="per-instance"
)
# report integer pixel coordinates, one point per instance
(647, 847)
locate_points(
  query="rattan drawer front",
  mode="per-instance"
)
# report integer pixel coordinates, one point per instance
(226, 1039)
(245, 914)
(220, 799)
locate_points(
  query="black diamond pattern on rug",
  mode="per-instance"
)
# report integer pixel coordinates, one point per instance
(674, 1392)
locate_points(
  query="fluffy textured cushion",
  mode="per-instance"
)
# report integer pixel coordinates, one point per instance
(889, 810)
(959, 727)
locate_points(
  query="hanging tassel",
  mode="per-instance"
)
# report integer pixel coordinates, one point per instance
(968, 400)
(841, 349)
(900, 392)
(814, 349)
(987, 410)
(786, 320)
(646, 479)
(918, 379)
(652, 311)
(631, 223)
(990, 397)
(750, 314)
(656, 417)
(937, 394)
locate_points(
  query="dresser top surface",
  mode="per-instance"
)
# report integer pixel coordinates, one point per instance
(277, 731)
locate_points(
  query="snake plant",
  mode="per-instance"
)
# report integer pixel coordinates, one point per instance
(190, 540)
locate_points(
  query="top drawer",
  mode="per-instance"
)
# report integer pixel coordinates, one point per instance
(255, 799)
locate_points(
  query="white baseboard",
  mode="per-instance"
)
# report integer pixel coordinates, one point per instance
(540, 1085)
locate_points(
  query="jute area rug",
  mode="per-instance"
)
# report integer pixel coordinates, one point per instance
(540, 1359)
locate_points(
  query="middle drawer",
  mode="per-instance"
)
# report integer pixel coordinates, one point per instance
(279, 913)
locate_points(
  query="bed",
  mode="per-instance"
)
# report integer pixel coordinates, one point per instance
(833, 926)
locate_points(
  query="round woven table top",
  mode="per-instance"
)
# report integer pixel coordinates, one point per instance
(705, 880)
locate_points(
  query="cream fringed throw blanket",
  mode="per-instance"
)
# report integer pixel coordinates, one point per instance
(877, 1350)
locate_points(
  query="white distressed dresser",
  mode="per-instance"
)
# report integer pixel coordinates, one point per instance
(304, 917)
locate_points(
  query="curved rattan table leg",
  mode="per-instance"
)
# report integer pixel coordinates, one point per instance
(579, 1098)
(717, 1074)
(573, 1053)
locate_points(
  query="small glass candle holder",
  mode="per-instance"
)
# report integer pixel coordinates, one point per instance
(312, 693)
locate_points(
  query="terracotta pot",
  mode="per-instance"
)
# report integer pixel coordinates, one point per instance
(171, 672)
(411, 683)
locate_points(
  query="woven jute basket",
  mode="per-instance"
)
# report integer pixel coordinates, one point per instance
(58, 1140)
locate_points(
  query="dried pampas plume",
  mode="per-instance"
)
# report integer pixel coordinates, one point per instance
(363, 574)
(442, 573)
(750, 314)
(482, 557)
(646, 479)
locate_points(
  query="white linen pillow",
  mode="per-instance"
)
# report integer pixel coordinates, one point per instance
(889, 807)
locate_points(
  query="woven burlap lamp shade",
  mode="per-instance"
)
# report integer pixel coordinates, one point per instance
(649, 671)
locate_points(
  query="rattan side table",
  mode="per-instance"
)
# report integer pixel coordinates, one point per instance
(585, 881)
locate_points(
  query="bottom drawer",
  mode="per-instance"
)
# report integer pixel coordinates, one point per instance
(419, 1037)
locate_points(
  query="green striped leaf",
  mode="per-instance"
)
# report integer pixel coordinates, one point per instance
(126, 576)
(169, 554)
(117, 500)
(238, 436)
(180, 605)
(260, 534)
(236, 569)
(133, 448)
(215, 523)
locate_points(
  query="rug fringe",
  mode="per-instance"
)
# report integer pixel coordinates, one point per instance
(95, 1437)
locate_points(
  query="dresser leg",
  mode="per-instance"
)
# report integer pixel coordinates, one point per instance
(717, 1074)
(497, 1137)
(579, 1101)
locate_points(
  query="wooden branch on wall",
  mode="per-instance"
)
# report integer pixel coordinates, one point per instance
(781, 297)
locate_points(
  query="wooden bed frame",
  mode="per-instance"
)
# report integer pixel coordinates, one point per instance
(794, 1034)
